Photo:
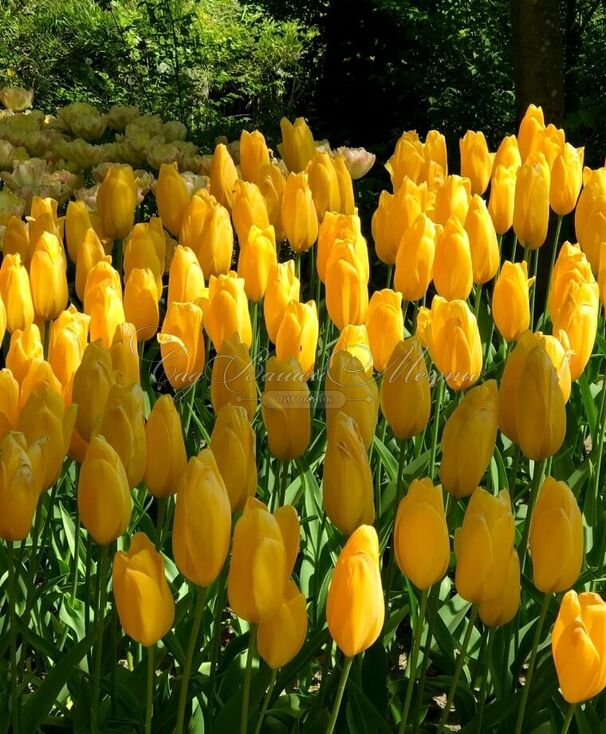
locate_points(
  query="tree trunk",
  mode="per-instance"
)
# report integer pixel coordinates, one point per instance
(538, 56)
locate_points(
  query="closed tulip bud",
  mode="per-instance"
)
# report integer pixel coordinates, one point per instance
(165, 449)
(258, 255)
(227, 313)
(346, 192)
(393, 217)
(253, 155)
(24, 347)
(531, 205)
(556, 538)
(39, 375)
(476, 160)
(415, 258)
(77, 223)
(258, 570)
(510, 301)
(104, 499)
(16, 294)
(106, 312)
(468, 440)
(297, 336)
(421, 541)
(44, 224)
(324, 184)
(577, 646)
(280, 638)
(408, 159)
(552, 143)
(44, 205)
(504, 607)
(530, 131)
(502, 198)
(68, 339)
(290, 527)
(9, 402)
(483, 546)
(233, 377)
(385, 325)
(350, 390)
(297, 147)
(223, 177)
(146, 248)
(452, 267)
(141, 303)
(355, 608)
(125, 355)
(450, 332)
(566, 179)
(508, 154)
(577, 315)
(202, 524)
(18, 489)
(207, 230)
(185, 279)
(571, 266)
(17, 239)
(558, 350)
(282, 287)
(89, 254)
(452, 200)
(485, 255)
(286, 409)
(48, 278)
(346, 286)
(143, 598)
(405, 393)
(353, 339)
(172, 197)
(590, 215)
(116, 202)
(233, 446)
(299, 217)
(182, 344)
(271, 184)
(248, 209)
(336, 228)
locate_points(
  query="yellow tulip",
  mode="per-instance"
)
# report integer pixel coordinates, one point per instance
(393, 217)
(282, 287)
(165, 449)
(452, 200)
(353, 339)
(485, 255)
(233, 377)
(227, 312)
(253, 155)
(566, 179)
(258, 255)
(68, 339)
(346, 286)
(146, 248)
(297, 335)
(172, 197)
(125, 355)
(17, 240)
(324, 184)
(281, 637)
(502, 198)
(18, 488)
(89, 254)
(299, 218)
(346, 192)
(510, 300)
(505, 606)
(590, 215)
(508, 154)
(48, 277)
(415, 258)
(77, 223)
(297, 147)
(530, 131)
(223, 177)
(16, 293)
(9, 402)
(116, 202)
(39, 375)
(25, 346)
(452, 267)
(337, 228)
(185, 278)
(207, 230)
(271, 184)
(385, 325)
(531, 205)
(182, 344)
(476, 161)
(248, 209)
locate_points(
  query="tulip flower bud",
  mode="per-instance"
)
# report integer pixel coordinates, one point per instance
(77, 223)
(510, 301)
(24, 347)
(165, 449)
(297, 147)
(531, 205)
(552, 143)
(530, 130)
(68, 339)
(476, 161)
(452, 267)
(452, 200)
(485, 255)
(590, 215)
(248, 209)
(41, 206)
(502, 197)
(483, 546)
(185, 279)
(280, 638)
(125, 355)
(353, 339)
(253, 155)
(258, 255)
(577, 646)
(16, 240)
(286, 409)
(324, 184)
(282, 287)
(142, 595)
(233, 445)
(571, 266)
(172, 197)
(207, 230)
(556, 538)
(566, 179)
(39, 374)
(508, 154)
(106, 313)
(450, 332)
(405, 394)
(182, 344)
(299, 217)
(18, 488)
(504, 607)
(421, 541)
(9, 402)
(415, 258)
(48, 278)
(385, 325)
(408, 159)
(104, 499)
(227, 312)
(297, 336)
(468, 440)
(257, 573)
(355, 608)
(232, 380)
(271, 184)
(202, 524)
(335, 229)
(394, 216)
(89, 254)
(116, 202)
(223, 177)
(16, 294)
(577, 315)
(44, 224)
(346, 192)
(290, 527)
(146, 248)
(346, 286)
(141, 303)
(347, 479)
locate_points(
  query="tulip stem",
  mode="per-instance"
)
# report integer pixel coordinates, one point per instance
(535, 270)
(160, 522)
(515, 465)
(100, 614)
(458, 668)
(478, 300)
(191, 645)
(554, 252)
(412, 668)
(149, 705)
(533, 658)
(537, 477)
(12, 603)
(339, 697)
(484, 684)
(283, 483)
(264, 707)
(434, 439)
(252, 643)
(569, 717)
(434, 596)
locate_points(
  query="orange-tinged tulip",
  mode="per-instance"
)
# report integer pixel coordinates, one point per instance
(502, 198)
(172, 197)
(566, 179)
(227, 312)
(530, 131)
(223, 176)
(452, 267)
(16, 293)
(185, 278)
(324, 184)
(281, 637)
(415, 258)
(141, 303)
(298, 146)
(258, 255)
(510, 301)
(25, 346)
(18, 490)
(282, 287)
(207, 230)
(125, 355)
(452, 200)
(476, 160)
(233, 377)
(253, 155)
(48, 277)
(297, 335)
(299, 218)
(505, 606)
(248, 209)
(116, 202)
(508, 154)
(485, 255)
(89, 254)
(182, 344)
(165, 449)
(531, 205)
(385, 325)
(346, 286)
(68, 339)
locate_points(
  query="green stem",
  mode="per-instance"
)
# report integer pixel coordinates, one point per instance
(595, 494)
(535, 270)
(216, 638)
(254, 320)
(389, 276)
(478, 301)
(539, 469)
(149, 705)
(100, 614)
(264, 707)
(252, 643)
(458, 669)
(484, 685)
(554, 252)
(533, 658)
(515, 465)
(298, 265)
(47, 331)
(433, 597)
(12, 604)
(193, 639)
(76, 546)
(436, 419)
(569, 717)
(283, 484)
(399, 495)
(416, 645)
(160, 522)
(339, 697)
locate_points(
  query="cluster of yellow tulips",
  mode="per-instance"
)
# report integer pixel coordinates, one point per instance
(171, 370)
